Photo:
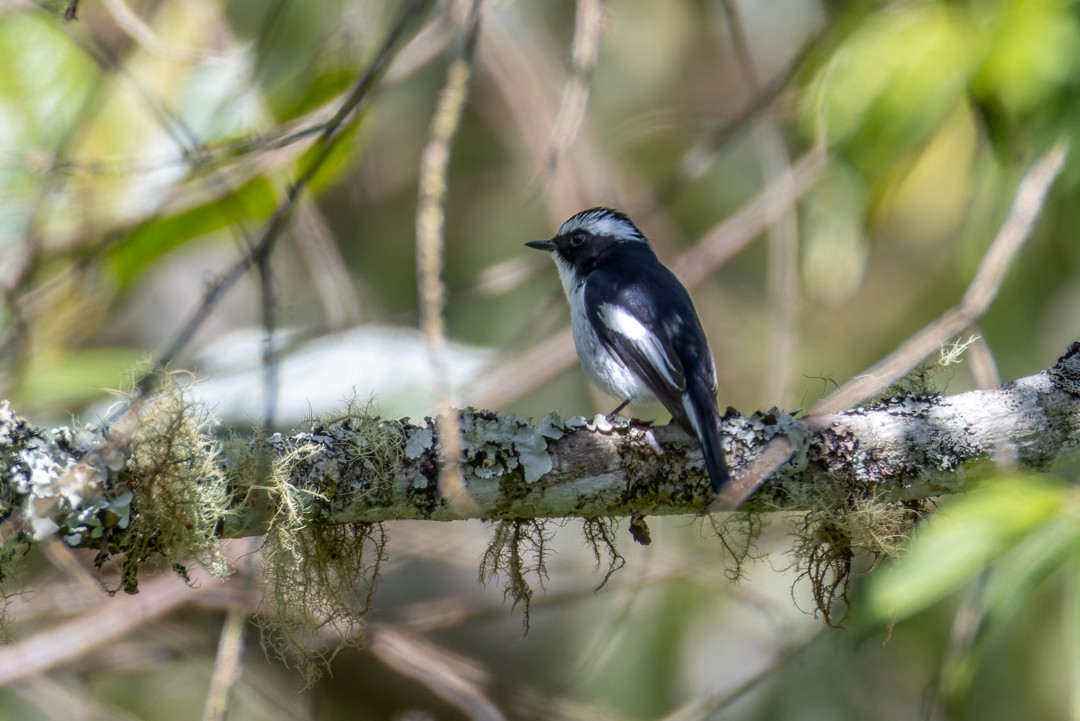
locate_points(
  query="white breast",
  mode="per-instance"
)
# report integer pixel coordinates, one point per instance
(608, 373)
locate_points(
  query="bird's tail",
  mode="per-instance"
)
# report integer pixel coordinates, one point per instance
(705, 421)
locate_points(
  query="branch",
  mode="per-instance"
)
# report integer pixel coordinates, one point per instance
(362, 469)
(1014, 232)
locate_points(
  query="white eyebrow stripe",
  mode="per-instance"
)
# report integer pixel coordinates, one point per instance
(626, 325)
(602, 223)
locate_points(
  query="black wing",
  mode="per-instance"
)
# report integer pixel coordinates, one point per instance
(644, 316)
(632, 318)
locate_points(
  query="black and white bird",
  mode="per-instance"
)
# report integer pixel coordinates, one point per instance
(635, 327)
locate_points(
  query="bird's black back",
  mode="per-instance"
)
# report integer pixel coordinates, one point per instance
(631, 277)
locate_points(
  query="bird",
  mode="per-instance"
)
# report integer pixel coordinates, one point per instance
(635, 327)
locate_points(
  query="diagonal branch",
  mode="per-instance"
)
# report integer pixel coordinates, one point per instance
(1029, 200)
(430, 248)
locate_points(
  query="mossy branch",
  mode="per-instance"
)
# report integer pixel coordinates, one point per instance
(360, 469)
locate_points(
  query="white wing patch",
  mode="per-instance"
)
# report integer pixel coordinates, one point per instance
(626, 325)
(688, 407)
(623, 323)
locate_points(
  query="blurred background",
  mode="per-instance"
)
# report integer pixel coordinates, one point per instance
(826, 176)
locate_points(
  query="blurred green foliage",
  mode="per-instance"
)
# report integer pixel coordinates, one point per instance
(139, 160)
(1018, 523)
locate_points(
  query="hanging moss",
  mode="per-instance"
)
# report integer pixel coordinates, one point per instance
(517, 550)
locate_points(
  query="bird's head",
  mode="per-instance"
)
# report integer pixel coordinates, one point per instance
(585, 236)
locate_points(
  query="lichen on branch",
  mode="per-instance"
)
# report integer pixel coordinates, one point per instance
(162, 482)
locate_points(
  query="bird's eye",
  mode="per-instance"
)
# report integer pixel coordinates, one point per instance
(577, 239)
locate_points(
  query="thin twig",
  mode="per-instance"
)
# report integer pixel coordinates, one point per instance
(1029, 200)
(451, 677)
(782, 241)
(695, 161)
(145, 37)
(331, 134)
(430, 244)
(984, 369)
(269, 353)
(520, 65)
(735, 232)
(325, 267)
(575, 98)
(228, 664)
(709, 706)
(71, 640)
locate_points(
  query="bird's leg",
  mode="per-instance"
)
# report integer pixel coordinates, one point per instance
(624, 404)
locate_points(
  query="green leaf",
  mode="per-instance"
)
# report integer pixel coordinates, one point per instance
(892, 82)
(961, 540)
(1043, 551)
(326, 87)
(1034, 47)
(253, 201)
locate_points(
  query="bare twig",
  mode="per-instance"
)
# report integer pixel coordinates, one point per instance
(586, 49)
(94, 629)
(55, 699)
(696, 160)
(1030, 196)
(782, 274)
(448, 675)
(707, 707)
(325, 267)
(145, 37)
(735, 232)
(227, 665)
(984, 368)
(430, 220)
(269, 353)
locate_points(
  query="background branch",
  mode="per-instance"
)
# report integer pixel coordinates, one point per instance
(1016, 229)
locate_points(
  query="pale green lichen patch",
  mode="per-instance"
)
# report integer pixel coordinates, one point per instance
(745, 434)
(573, 423)
(179, 495)
(355, 457)
(496, 445)
(551, 427)
(418, 441)
(148, 484)
(65, 480)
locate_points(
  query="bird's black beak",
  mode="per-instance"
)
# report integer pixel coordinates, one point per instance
(548, 245)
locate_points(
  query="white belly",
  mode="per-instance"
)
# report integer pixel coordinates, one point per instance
(606, 372)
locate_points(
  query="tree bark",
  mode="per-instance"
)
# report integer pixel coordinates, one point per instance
(91, 484)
